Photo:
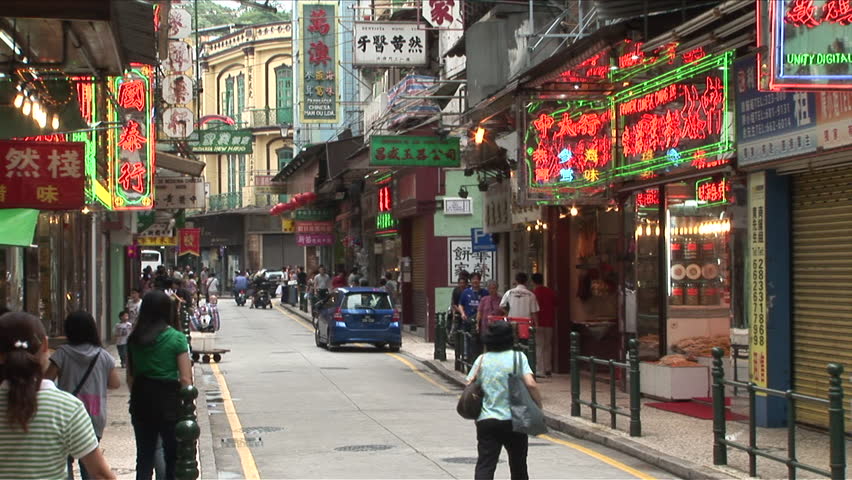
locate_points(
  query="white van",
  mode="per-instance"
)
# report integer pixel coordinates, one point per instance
(151, 258)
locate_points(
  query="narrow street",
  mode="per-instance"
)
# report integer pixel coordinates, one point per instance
(304, 412)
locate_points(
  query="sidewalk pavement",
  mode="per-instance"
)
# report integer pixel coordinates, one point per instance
(677, 443)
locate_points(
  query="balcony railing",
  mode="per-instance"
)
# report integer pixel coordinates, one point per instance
(268, 117)
(226, 201)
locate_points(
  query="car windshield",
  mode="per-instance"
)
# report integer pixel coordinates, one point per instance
(367, 300)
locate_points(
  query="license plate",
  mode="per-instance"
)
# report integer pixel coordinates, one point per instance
(367, 320)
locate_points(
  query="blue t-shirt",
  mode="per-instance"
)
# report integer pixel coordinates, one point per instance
(469, 300)
(494, 378)
(241, 283)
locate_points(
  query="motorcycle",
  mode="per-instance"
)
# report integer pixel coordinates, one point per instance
(261, 297)
(241, 298)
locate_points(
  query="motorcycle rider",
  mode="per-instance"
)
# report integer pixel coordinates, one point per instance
(260, 285)
(240, 283)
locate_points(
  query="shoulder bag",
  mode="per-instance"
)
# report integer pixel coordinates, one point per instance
(86, 375)
(470, 401)
(527, 417)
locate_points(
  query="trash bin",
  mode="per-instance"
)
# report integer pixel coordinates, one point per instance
(292, 293)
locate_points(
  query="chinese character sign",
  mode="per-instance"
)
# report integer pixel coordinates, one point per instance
(132, 145)
(443, 14)
(389, 44)
(41, 175)
(712, 191)
(189, 241)
(315, 227)
(318, 66)
(460, 256)
(414, 151)
(667, 122)
(314, 239)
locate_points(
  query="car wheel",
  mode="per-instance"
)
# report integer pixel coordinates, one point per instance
(317, 340)
(331, 346)
(394, 347)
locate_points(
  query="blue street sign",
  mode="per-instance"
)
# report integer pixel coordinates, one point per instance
(481, 241)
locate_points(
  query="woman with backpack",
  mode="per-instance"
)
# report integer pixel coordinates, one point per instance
(159, 366)
(40, 426)
(84, 369)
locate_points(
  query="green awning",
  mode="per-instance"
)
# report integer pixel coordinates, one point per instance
(17, 226)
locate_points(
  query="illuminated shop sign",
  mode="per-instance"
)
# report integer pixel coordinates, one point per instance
(132, 145)
(568, 146)
(648, 198)
(385, 221)
(319, 64)
(593, 69)
(808, 43)
(712, 191)
(679, 118)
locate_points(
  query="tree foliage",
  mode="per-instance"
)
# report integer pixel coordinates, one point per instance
(212, 13)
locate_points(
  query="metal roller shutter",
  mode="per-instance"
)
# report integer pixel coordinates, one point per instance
(822, 284)
(418, 267)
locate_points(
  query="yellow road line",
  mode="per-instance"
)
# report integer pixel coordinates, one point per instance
(297, 319)
(609, 461)
(418, 371)
(246, 458)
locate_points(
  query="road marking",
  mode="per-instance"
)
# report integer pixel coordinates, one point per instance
(297, 319)
(246, 458)
(419, 372)
(603, 458)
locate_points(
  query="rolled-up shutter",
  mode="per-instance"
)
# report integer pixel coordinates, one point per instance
(822, 285)
(418, 267)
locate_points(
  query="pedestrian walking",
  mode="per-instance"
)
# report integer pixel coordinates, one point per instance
(159, 365)
(212, 285)
(547, 301)
(84, 369)
(191, 286)
(455, 296)
(133, 304)
(488, 306)
(322, 282)
(354, 279)
(494, 425)
(520, 302)
(339, 280)
(122, 331)
(202, 281)
(302, 283)
(40, 425)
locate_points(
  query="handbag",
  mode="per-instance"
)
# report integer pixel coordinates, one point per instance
(527, 417)
(470, 401)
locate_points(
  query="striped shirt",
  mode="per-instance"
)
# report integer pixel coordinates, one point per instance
(60, 428)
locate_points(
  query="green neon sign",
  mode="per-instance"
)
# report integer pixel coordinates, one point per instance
(386, 221)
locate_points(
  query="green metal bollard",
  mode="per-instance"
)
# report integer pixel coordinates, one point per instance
(720, 450)
(187, 433)
(836, 421)
(183, 311)
(440, 337)
(635, 394)
(531, 351)
(459, 348)
(575, 374)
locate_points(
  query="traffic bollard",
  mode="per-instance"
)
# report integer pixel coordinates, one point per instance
(187, 433)
(440, 337)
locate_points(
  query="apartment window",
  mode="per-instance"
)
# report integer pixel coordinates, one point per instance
(285, 155)
(228, 100)
(242, 160)
(284, 94)
(232, 173)
(241, 94)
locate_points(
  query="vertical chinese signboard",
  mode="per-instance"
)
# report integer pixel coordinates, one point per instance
(319, 63)
(132, 146)
(42, 175)
(807, 43)
(176, 84)
(386, 223)
(756, 270)
(443, 14)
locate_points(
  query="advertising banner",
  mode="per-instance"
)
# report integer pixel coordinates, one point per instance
(42, 175)
(414, 151)
(318, 66)
(314, 239)
(189, 241)
(757, 305)
(389, 44)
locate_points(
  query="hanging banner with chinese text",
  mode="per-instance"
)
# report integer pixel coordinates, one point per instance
(319, 62)
(132, 146)
(413, 151)
(189, 241)
(42, 175)
(443, 14)
(314, 239)
(807, 44)
(389, 44)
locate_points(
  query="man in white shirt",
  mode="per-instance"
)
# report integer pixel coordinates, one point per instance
(520, 301)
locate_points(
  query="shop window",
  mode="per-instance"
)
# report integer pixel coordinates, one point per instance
(643, 275)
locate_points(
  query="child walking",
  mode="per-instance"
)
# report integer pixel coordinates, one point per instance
(122, 331)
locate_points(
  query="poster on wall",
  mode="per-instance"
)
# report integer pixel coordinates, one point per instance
(461, 257)
(757, 306)
(319, 86)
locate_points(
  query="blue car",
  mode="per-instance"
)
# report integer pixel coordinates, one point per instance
(358, 315)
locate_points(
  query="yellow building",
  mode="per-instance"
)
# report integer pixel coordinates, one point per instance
(247, 80)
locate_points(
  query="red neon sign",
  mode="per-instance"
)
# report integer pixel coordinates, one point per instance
(700, 162)
(131, 138)
(632, 57)
(712, 191)
(132, 176)
(132, 95)
(384, 199)
(648, 198)
(570, 149)
(694, 55)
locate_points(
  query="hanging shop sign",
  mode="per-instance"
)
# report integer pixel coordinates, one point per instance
(131, 149)
(388, 44)
(411, 151)
(461, 257)
(157, 234)
(498, 208)
(771, 125)
(677, 119)
(757, 303)
(179, 192)
(568, 146)
(189, 241)
(263, 185)
(319, 62)
(443, 14)
(42, 175)
(481, 241)
(288, 225)
(649, 198)
(314, 239)
(807, 44)
(711, 192)
(315, 227)
(218, 140)
(313, 214)
(386, 223)
(834, 119)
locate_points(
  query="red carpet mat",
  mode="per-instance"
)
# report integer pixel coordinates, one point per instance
(693, 409)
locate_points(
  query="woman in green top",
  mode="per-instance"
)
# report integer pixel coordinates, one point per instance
(159, 365)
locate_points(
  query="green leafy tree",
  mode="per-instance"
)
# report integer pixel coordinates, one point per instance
(213, 14)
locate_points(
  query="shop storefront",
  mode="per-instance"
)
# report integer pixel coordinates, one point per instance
(222, 245)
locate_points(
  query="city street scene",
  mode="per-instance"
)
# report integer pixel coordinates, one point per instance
(381, 239)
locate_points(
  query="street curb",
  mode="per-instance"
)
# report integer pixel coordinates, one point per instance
(586, 430)
(206, 457)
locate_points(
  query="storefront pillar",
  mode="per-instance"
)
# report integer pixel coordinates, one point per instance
(771, 193)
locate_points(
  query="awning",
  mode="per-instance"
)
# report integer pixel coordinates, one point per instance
(17, 226)
(172, 162)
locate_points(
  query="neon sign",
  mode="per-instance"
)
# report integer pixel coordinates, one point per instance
(665, 121)
(648, 198)
(132, 146)
(806, 46)
(385, 221)
(710, 191)
(384, 199)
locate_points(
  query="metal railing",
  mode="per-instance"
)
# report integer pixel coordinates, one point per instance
(836, 422)
(268, 117)
(226, 201)
(468, 347)
(187, 432)
(631, 366)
